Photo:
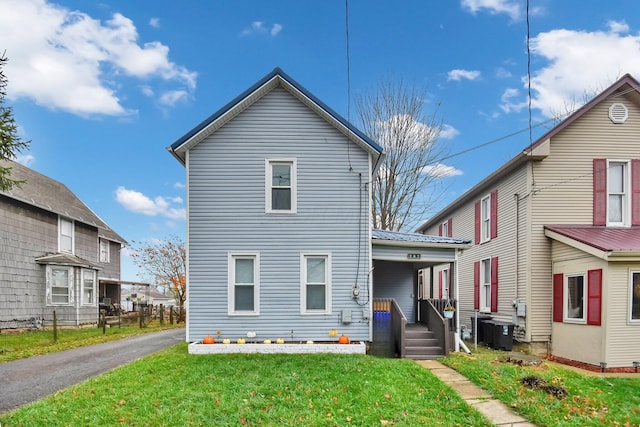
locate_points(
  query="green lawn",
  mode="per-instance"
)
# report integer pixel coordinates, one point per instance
(31, 343)
(173, 388)
(590, 400)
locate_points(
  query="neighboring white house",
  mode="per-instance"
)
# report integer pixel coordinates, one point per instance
(557, 236)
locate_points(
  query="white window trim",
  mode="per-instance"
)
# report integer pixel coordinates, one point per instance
(294, 185)
(631, 319)
(485, 306)
(303, 283)
(445, 284)
(73, 237)
(626, 199)
(565, 299)
(108, 252)
(95, 287)
(445, 229)
(49, 292)
(231, 291)
(485, 231)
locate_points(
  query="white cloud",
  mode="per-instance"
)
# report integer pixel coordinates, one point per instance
(579, 63)
(458, 75)
(70, 61)
(618, 27)
(441, 171)
(509, 104)
(512, 8)
(154, 22)
(147, 90)
(259, 27)
(448, 132)
(179, 185)
(172, 97)
(137, 202)
(25, 159)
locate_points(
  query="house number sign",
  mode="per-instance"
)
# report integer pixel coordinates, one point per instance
(413, 256)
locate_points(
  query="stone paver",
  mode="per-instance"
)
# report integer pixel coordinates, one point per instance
(494, 410)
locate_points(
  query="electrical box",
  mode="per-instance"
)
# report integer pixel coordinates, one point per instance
(365, 315)
(346, 316)
(521, 309)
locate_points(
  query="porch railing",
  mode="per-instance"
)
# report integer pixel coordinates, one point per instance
(430, 312)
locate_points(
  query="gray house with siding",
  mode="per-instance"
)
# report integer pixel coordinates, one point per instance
(556, 234)
(278, 222)
(55, 254)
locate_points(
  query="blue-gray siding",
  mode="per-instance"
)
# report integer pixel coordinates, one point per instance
(226, 213)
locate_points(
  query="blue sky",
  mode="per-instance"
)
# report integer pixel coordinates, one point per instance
(102, 88)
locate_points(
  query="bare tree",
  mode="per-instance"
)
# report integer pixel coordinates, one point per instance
(166, 263)
(10, 143)
(405, 190)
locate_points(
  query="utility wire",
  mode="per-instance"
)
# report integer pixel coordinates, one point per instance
(533, 178)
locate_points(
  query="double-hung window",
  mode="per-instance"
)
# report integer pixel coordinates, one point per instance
(574, 295)
(88, 287)
(485, 220)
(485, 285)
(618, 193)
(316, 283)
(104, 251)
(59, 285)
(280, 191)
(244, 284)
(635, 296)
(65, 235)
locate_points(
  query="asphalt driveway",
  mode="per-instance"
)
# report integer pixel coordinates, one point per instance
(27, 380)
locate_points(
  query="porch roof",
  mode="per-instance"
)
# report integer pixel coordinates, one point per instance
(608, 243)
(399, 238)
(67, 260)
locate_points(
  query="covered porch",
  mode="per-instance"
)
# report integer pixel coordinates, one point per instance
(414, 279)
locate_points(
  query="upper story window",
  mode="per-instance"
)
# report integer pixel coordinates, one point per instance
(244, 284)
(618, 193)
(486, 218)
(316, 284)
(281, 189)
(105, 251)
(65, 235)
(445, 229)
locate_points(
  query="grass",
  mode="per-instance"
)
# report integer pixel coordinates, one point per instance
(591, 400)
(21, 345)
(173, 388)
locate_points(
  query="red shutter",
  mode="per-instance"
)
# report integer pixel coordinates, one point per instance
(599, 192)
(594, 297)
(440, 284)
(476, 285)
(477, 222)
(494, 214)
(450, 225)
(558, 286)
(635, 192)
(440, 230)
(494, 284)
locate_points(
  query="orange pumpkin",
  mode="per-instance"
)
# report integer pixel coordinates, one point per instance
(208, 340)
(343, 339)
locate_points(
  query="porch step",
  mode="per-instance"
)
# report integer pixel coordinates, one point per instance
(420, 343)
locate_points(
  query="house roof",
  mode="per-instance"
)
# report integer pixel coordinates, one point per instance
(626, 85)
(66, 259)
(276, 78)
(604, 242)
(399, 238)
(48, 194)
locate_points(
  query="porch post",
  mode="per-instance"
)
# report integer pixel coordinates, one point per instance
(457, 293)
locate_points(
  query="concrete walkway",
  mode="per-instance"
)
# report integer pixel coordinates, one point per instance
(494, 410)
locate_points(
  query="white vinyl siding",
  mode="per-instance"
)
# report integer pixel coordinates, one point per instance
(244, 284)
(281, 188)
(315, 289)
(65, 235)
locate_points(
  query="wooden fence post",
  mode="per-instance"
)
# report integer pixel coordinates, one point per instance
(161, 314)
(55, 327)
